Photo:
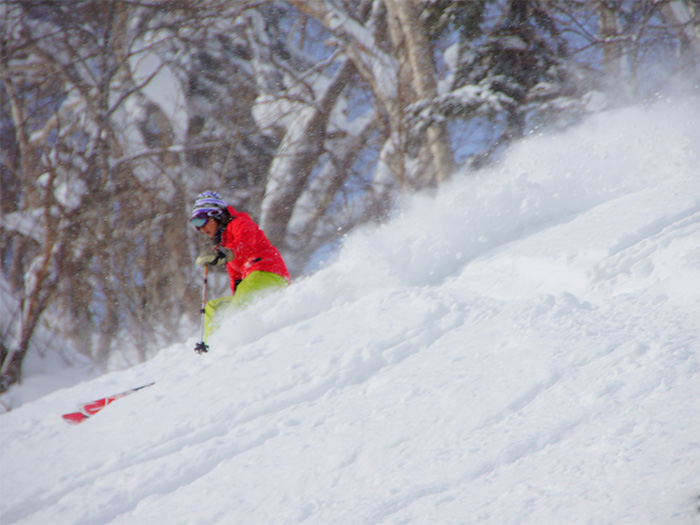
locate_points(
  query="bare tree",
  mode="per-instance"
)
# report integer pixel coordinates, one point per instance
(391, 52)
(88, 212)
(684, 20)
(303, 145)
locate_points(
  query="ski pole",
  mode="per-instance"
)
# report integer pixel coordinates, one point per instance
(202, 347)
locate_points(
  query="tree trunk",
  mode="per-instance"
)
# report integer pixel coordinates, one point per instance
(683, 18)
(613, 55)
(301, 149)
(404, 16)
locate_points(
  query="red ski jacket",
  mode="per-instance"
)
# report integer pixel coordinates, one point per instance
(251, 249)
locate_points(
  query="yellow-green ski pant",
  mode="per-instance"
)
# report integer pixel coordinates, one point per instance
(247, 290)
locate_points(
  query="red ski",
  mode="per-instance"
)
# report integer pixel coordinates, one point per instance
(93, 407)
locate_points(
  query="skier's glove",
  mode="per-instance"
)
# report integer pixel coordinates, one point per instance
(220, 256)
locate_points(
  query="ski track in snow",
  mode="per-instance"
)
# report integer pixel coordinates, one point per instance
(524, 349)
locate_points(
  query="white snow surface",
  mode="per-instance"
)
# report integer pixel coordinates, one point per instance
(521, 347)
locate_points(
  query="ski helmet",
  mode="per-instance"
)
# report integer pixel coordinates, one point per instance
(210, 204)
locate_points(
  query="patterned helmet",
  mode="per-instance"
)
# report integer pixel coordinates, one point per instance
(210, 204)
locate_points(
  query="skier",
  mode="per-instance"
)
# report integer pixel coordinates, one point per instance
(252, 262)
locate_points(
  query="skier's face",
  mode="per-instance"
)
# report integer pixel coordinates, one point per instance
(210, 228)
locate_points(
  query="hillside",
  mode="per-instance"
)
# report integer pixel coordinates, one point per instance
(522, 347)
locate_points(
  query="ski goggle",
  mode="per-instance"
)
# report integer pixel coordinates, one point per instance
(199, 221)
(203, 216)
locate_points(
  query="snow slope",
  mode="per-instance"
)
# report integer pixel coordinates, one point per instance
(520, 348)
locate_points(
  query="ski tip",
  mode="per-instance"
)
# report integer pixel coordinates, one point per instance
(74, 418)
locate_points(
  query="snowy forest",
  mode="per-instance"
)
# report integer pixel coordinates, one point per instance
(313, 116)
